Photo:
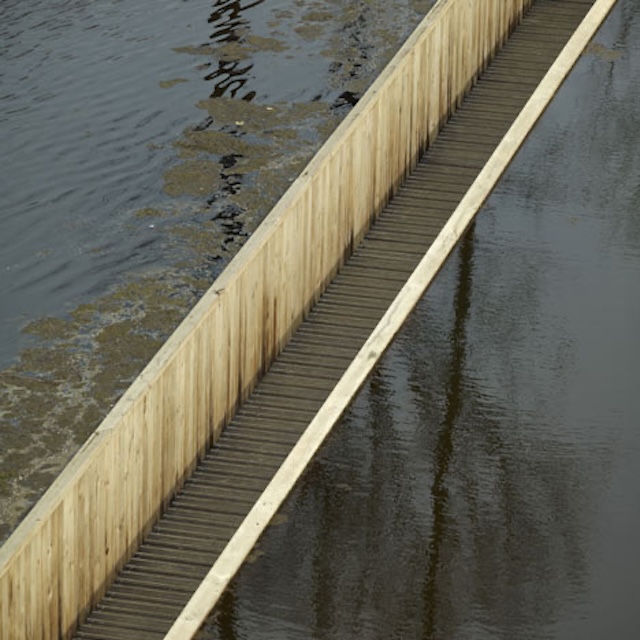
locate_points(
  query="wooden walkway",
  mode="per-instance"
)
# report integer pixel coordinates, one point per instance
(154, 586)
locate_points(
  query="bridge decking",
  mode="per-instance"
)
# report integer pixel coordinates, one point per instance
(154, 586)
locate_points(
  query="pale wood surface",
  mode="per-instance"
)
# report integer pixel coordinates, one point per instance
(62, 557)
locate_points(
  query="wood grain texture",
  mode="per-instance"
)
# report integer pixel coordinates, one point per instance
(96, 512)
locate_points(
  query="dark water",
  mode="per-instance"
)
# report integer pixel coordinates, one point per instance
(141, 142)
(486, 481)
(92, 96)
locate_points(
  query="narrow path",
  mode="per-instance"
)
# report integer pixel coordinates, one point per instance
(154, 586)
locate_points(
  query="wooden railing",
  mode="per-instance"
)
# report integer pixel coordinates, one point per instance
(66, 552)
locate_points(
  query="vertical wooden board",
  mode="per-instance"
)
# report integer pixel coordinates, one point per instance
(358, 200)
(125, 490)
(418, 115)
(268, 306)
(366, 174)
(292, 282)
(279, 295)
(68, 571)
(255, 325)
(476, 52)
(245, 330)
(377, 117)
(280, 292)
(232, 322)
(176, 432)
(257, 355)
(302, 249)
(164, 403)
(180, 430)
(367, 163)
(381, 149)
(50, 576)
(324, 210)
(400, 138)
(340, 200)
(454, 26)
(309, 283)
(115, 488)
(489, 32)
(108, 487)
(443, 72)
(147, 451)
(388, 132)
(361, 187)
(471, 66)
(504, 20)
(338, 205)
(480, 27)
(172, 434)
(454, 48)
(151, 455)
(189, 404)
(17, 600)
(315, 226)
(328, 216)
(351, 162)
(220, 370)
(277, 275)
(200, 416)
(85, 525)
(96, 524)
(29, 580)
(335, 206)
(433, 84)
(404, 120)
(412, 127)
(201, 388)
(27, 588)
(317, 186)
(4, 604)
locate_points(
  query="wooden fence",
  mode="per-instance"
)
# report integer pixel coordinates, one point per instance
(66, 552)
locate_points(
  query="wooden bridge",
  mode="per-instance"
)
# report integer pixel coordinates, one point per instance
(143, 531)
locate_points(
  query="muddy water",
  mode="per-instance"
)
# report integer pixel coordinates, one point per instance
(486, 481)
(141, 144)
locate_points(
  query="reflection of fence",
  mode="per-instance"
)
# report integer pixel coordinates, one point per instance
(63, 556)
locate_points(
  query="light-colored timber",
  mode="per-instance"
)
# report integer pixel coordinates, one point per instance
(66, 554)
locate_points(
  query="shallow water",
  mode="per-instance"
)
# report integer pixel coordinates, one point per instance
(142, 143)
(486, 481)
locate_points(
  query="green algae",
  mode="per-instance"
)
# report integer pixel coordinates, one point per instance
(167, 84)
(604, 53)
(258, 43)
(150, 212)
(214, 142)
(192, 177)
(203, 50)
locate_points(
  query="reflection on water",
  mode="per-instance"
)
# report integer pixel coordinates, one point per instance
(229, 26)
(484, 484)
(454, 399)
